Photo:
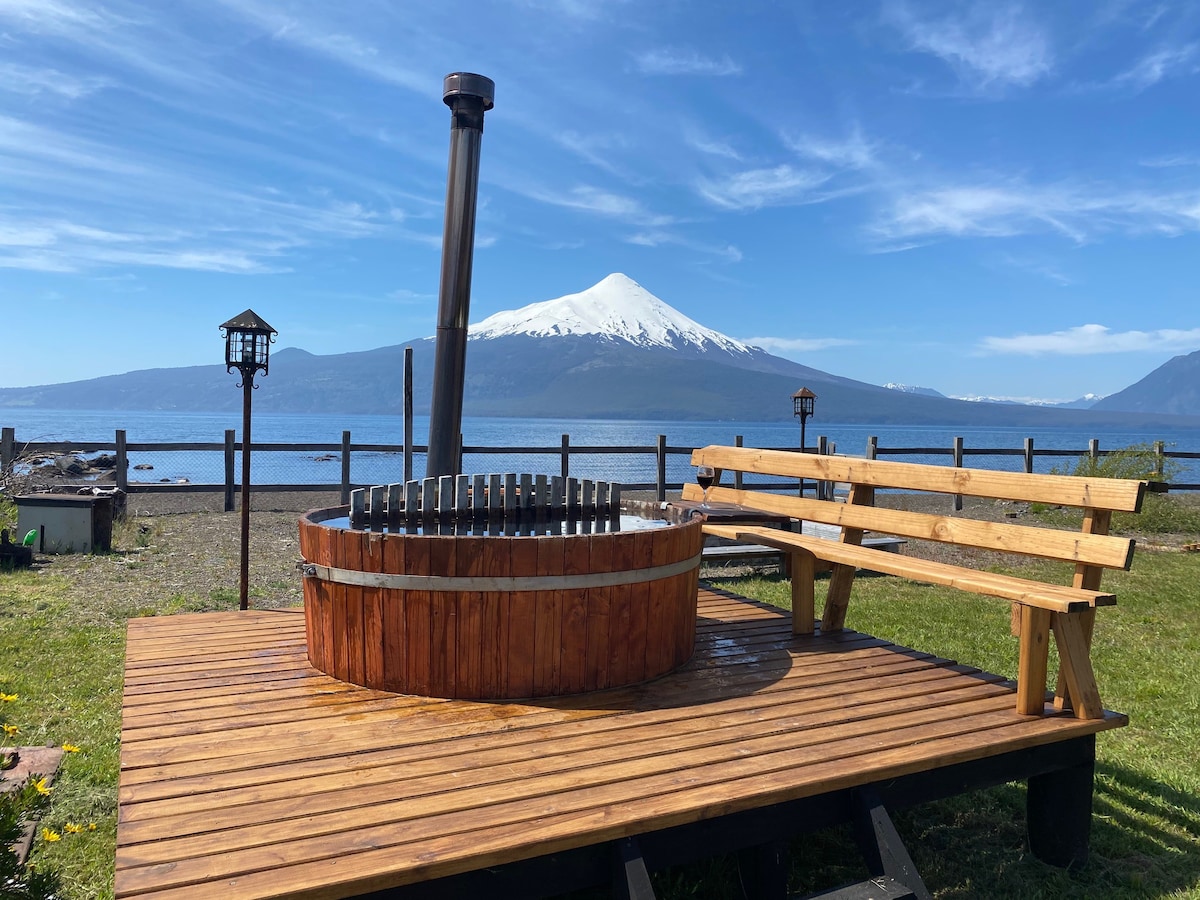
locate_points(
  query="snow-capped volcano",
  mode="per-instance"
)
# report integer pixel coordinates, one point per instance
(618, 309)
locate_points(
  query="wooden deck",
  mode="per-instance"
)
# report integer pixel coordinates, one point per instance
(245, 773)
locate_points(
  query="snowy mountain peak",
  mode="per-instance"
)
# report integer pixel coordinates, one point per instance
(616, 308)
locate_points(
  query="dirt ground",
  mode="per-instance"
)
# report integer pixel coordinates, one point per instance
(180, 552)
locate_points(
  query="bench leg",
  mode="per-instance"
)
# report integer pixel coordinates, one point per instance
(1059, 813)
(1072, 633)
(804, 582)
(1034, 660)
(837, 600)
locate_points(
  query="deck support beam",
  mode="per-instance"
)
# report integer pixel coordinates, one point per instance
(764, 870)
(880, 843)
(631, 879)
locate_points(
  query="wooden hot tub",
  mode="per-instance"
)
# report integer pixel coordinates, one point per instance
(494, 616)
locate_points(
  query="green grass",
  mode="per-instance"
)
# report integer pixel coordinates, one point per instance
(1146, 827)
(65, 660)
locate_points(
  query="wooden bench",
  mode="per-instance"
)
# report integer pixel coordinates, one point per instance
(1039, 608)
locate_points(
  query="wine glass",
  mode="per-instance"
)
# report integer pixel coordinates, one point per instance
(704, 478)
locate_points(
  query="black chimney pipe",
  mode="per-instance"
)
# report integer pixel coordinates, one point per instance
(469, 97)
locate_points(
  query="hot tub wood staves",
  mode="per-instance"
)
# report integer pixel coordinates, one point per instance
(498, 617)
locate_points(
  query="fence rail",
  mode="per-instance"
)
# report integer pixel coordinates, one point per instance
(658, 460)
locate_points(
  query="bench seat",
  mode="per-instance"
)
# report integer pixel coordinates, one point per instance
(1056, 598)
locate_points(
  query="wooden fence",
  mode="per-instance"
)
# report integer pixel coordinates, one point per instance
(957, 455)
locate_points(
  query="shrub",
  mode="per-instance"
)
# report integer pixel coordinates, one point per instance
(1161, 514)
(1137, 461)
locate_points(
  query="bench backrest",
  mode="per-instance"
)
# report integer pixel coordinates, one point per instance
(1099, 497)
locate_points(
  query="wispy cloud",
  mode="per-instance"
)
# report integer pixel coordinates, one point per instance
(1087, 340)
(798, 345)
(697, 140)
(1171, 161)
(671, 61)
(853, 152)
(988, 45)
(1162, 64)
(601, 202)
(327, 38)
(726, 252)
(756, 188)
(33, 81)
(597, 149)
(1010, 208)
(1037, 267)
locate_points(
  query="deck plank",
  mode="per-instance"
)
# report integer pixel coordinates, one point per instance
(246, 772)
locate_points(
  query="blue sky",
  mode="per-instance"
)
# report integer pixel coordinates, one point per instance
(983, 198)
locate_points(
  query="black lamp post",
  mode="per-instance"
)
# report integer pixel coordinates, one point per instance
(247, 349)
(802, 408)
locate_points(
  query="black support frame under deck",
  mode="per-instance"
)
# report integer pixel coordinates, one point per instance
(1060, 776)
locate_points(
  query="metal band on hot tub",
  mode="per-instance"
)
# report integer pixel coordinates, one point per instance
(484, 583)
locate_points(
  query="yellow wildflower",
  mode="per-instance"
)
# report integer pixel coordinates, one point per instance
(11, 730)
(91, 826)
(41, 788)
(50, 836)
(70, 748)
(72, 828)
(8, 698)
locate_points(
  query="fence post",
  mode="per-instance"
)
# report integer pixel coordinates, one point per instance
(872, 446)
(565, 457)
(958, 461)
(1094, 452)
(345, 467)
(122, 462)
(662, 468)
(408, 414)
(230, 438)
(1159, 461)
(737, 474)
(1029, 455)
(8, 441)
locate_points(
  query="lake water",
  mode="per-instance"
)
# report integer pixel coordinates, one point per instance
(379, 468)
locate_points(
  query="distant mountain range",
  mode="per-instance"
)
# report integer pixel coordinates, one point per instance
(1087, 401)
(613, 351)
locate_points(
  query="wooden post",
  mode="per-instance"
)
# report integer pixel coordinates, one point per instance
(1159, 460)
(1032, 662)
(408, 414)
(1029, 455)
(737, 474)
(345, 467)
(803, 592)
(872, 447)
(823, 486)
(8, 442)
(565, 456)
(661, 484)
(230, 441)
(1094, 451)
(1059, 811)
(122, 462)
(958, 461)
